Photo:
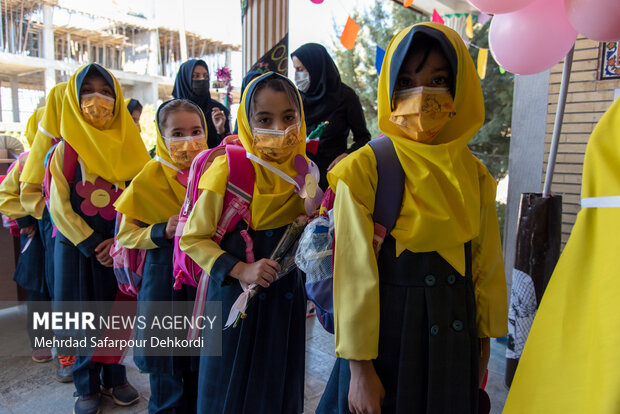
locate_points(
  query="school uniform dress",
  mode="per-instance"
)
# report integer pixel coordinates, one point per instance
(34, 203)
(79, 277)
(173, 379)
(427, 331)
(261, 369)
(418, 309)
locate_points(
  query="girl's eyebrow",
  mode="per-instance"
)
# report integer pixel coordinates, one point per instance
(441, 69)
(262, 113)
(182, 128)
(290, 110)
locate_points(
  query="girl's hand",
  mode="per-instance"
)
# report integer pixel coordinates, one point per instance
(171, 227)
(29, 231)
(219, 120)
(483, 361)
(102, 252)
(366, 392)
(263, 272)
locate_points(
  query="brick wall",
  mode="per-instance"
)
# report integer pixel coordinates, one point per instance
(588, 99)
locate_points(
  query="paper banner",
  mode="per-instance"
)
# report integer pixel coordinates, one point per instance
(275, 60)
(349, 34)
(469, 30)
(379, 59)
(407, 3)
(436, 17)
(483, 56)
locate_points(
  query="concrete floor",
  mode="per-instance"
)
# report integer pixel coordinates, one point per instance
(28, 387)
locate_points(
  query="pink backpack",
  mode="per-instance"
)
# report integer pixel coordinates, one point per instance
(8, 222)
(236, 206)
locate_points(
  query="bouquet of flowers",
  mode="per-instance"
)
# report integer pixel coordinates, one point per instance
(284, 254)
(224, 77)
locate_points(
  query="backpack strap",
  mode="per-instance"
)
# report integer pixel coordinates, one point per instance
(69, 163)
(239, 191)
(390, 186)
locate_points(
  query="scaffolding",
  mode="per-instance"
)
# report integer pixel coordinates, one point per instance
(39, 48)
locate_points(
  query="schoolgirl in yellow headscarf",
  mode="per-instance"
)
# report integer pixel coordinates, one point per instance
(30, 270)
(47, 134)
(135, 109)
(570, 361)
(271, 337)
(32, 126)
(390, 311)
(158, 191)
(115, 152)
(10, 204)
(102, 133)
(274, 202)
(150, 208)
(31, 195)
(97, 126)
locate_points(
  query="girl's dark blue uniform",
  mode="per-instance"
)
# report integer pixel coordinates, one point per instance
(261, 369)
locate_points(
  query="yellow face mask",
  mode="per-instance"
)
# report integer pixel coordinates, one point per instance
(274, 144)
(422, 112)
(97, 109)
(183, 150)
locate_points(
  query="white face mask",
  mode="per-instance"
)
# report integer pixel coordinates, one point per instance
(302, 80)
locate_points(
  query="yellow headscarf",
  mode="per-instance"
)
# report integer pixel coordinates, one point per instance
(275, 202)
(156, 194)
(49, 124)
(115, 153)
(571, 359)
(33, 125)
(445, 185)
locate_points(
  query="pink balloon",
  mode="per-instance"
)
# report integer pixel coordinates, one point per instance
(597, 19)
(532, 39)
(499, 6)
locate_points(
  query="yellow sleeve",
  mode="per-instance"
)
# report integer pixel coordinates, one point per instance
(356, 279)
(133, 236)
(68, 222)
(489, 277)
(31, 197)
(9, 195)
(197, 240)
